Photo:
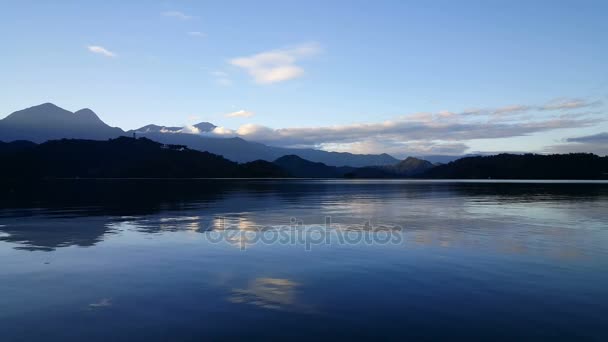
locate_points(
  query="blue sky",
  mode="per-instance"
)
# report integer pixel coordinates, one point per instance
(403, 77)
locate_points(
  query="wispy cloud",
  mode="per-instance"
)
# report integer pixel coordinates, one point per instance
(276, 65)
(240, 114)
(103, 303)
(595, 143)
(101, 51)
(401, 130)
(177, 15)
(561, 104)
(567, 104)
(398, 148)
(595, 138)
(511, 109)
(222, 78)
(443, 132)
(197, 34)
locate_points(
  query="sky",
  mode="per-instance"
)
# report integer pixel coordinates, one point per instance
(401, 77)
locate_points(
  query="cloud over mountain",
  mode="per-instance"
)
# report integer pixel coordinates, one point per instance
(443, 132)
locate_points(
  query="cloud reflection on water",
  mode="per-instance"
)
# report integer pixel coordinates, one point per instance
(267, 293)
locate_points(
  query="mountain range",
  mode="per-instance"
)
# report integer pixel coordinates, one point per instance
(49, 122)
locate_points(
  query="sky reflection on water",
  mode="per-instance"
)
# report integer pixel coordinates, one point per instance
(473, 260)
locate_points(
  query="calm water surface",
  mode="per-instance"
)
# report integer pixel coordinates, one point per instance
(377, 260)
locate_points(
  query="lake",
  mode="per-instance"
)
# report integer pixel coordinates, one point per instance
(156, 260)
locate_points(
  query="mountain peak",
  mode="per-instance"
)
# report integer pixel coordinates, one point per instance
(410, 166)
(48, 121)
(87, 113)
(300, 167)
(290, 158)
(46, 105)
(414, 163)
(41, 112)
(412, 160)
(205, 126)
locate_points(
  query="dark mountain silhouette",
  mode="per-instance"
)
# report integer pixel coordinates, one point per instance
(205, 126)
(48, 122)
(124, 158)
(444, 159)
(409, 167)
(15, 146)
(303, 168)
(241, 150)
(406, 168)
(298, 167)
(526, 166)
(340, 159)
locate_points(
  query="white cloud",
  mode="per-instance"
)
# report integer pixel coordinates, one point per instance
(222, 131)
(219, 74)
(253, 130)
(276, 65)
(240, 114)
(197, 34)
(177, 15)
(222, 78)
(190, 130)
(101, 51)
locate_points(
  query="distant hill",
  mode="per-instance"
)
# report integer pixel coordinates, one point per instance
(526, 166)
(122, 158)
(48, 122)
(410, 166)
(298, 167)
(443, 159)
